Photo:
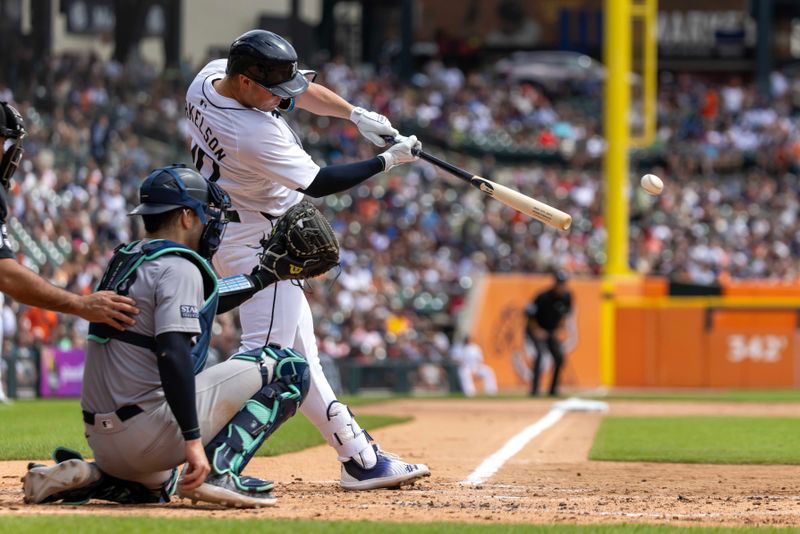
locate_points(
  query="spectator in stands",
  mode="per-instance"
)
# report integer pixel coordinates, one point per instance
(732, 162)
(24, 285)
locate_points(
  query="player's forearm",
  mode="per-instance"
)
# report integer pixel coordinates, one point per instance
(25, 286)
(337, 178)
(173, 354)
(320, 100)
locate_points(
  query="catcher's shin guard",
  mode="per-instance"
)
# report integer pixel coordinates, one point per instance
(261, 415)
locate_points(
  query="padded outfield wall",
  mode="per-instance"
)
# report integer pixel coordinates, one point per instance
(747, 337)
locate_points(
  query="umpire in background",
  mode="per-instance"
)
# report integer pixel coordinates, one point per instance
(547, 314)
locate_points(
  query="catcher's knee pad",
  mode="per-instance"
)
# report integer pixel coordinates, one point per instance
(282, 393)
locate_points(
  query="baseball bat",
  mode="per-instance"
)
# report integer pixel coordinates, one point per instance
(522, 203)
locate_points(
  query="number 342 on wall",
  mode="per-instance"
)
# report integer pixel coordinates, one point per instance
(764, 348)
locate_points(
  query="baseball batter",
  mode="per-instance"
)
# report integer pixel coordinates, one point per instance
(241, 140)
(144, 411)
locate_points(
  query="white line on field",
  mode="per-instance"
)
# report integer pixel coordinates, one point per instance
(493, 463)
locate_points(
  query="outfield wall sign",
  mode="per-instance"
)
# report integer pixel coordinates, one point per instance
(61, 372)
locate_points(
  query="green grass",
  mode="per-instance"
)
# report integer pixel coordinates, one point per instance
(143, 525)
(32, 429)
(733, 395)
(718, 440)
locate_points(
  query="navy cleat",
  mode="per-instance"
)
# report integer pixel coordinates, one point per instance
(389, 472)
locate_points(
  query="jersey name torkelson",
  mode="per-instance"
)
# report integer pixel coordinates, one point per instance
(197, 118)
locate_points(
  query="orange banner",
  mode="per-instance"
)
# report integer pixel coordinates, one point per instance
(499, 324)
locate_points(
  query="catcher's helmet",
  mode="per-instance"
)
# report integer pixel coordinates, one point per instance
(269, 60)
(177, 186)
(12, 128)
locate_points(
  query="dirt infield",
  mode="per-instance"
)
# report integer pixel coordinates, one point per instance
(549, 481)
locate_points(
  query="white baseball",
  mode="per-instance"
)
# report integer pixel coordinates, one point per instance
(652, 184)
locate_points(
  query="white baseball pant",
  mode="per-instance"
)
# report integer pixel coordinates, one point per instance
(281, 314)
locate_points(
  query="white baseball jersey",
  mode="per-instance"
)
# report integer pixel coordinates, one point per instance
(260, 162)
(253, 155)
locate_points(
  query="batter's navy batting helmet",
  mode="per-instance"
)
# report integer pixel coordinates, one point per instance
(269, 60)
(12, 128)
(177, 186)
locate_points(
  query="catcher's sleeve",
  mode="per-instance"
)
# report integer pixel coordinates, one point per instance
(337, 178)
(173, 354)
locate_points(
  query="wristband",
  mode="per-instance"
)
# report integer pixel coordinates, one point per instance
(189, 435)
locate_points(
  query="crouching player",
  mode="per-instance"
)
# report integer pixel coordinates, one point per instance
(144, 409)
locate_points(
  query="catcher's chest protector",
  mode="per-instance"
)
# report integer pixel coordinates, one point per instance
(120, 276)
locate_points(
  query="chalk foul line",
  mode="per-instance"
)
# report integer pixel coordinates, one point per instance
(493, 463)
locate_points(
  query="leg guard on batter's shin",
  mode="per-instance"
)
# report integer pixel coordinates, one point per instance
(345, 435)
(283, 391)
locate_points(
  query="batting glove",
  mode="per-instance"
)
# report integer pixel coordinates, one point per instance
(405, 150)
(372, 125)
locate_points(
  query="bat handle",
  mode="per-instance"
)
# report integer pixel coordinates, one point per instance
(391, 140)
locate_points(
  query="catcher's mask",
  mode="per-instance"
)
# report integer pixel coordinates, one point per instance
(269, 60)
(11, 127)
(168, 188)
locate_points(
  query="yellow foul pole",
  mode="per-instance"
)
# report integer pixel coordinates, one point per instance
(617, 56)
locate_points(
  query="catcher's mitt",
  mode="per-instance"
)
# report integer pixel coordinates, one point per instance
(302, 245)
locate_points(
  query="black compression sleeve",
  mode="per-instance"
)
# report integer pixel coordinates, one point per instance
(174, 356)
(337, 178)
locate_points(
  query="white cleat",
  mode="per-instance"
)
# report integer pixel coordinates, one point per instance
(389, 472)
(222, 490)
(43, 482)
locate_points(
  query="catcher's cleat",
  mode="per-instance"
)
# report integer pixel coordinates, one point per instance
(389, 472)
(227, 491)
(43, 484)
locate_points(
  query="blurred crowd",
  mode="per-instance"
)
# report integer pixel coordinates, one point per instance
(413, 241)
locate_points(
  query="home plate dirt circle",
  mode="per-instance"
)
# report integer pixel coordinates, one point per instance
(549, 479)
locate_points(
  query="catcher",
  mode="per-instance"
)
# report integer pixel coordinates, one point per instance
(145, 412)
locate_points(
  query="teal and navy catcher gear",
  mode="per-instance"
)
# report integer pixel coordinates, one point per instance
(278, 400)
(177, 186)
(120, 276)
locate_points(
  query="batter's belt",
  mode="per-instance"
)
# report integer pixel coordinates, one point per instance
(236, 217)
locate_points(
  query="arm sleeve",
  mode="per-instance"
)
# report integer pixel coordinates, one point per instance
(337, 178)
(173, 353)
